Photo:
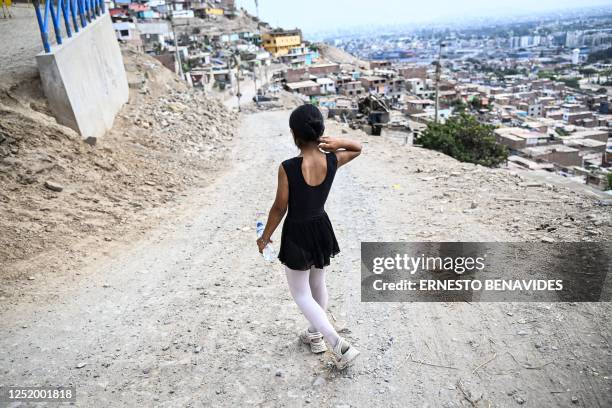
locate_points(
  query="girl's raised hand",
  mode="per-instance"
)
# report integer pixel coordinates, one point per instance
(329, 144)
(345, 149)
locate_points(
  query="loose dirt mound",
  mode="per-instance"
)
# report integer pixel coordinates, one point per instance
(55, 189)
(333, 54)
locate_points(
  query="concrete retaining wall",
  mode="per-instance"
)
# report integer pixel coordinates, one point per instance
(84, 79)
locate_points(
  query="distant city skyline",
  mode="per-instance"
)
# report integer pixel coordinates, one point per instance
(317, 16)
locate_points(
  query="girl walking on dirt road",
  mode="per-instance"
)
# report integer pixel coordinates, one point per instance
(308, 241)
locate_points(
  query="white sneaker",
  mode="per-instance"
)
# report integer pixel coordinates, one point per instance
(317, 345)
(345, 359)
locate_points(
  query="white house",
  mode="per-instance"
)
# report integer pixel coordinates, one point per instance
(126, 31)
(328, 86)
(182, 14)
(534, 110)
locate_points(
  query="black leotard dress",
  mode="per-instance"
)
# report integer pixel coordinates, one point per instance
(308, 237)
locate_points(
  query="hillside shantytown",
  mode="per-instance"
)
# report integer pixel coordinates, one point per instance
(543, 86)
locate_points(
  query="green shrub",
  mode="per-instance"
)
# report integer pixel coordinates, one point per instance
(465, 139)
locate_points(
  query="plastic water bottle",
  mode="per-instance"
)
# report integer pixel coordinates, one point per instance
(269, 253)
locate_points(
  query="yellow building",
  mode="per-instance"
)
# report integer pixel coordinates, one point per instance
(214, 11)
(278, 42)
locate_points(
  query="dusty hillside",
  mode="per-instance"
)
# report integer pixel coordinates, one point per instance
(164, 140)
(334, 54)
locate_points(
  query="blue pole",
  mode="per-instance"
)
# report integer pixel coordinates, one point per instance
(89, 11)
(66, 14)
(43, 26)
(73, 12)
(82, 13)
(55, 20)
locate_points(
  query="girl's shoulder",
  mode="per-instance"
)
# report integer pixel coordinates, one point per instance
(292, 159)
(290, 163)
(332, 156)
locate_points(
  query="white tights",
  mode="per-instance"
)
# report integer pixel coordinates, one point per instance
(310, 293)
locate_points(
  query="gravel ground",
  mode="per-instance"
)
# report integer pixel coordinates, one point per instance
(188, 314)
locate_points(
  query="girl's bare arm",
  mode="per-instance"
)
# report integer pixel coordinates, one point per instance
(345, 149)
(278, 210)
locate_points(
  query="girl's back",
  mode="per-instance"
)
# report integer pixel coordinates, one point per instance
(314, 168)
(310, 178)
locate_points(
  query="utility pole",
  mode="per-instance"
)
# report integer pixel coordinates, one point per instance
(255, 82)
(236, 58)
(437, 79)
(177, 55)
(211, 79)
(238, 94)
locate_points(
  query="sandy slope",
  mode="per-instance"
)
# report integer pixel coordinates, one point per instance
(190, 315)
(339, 56)
(165, 139)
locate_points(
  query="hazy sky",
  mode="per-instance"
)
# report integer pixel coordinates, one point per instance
(324, 15)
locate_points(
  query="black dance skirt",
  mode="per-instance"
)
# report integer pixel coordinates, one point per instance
(307, 243)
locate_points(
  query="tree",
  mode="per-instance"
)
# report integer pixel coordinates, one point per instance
(465, 139)
(547, 74)
(609, 181)
(458, 105)
(475, 103)
(587, 72)
(571, 82)
(602, 55)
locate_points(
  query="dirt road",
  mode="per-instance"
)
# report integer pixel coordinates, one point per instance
(192, 316)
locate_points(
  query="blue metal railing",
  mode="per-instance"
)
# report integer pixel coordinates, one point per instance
(73, 12)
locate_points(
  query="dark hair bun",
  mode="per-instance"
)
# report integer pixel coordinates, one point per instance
(307, 124)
